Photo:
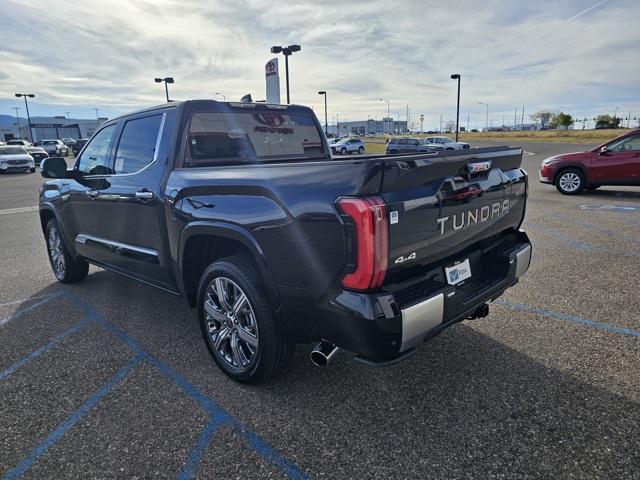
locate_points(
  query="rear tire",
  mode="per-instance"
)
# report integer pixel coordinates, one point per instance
(65, 267)
(242, 336)
(343, 151)
(570, 181)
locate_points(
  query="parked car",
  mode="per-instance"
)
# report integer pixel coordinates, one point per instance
(291, 247)
(55, 148)
(348, 145)
(38, 154)
(407, 145)
(15, 158)
(76, 147)
(19, 142)
(69, 141)
(447, 143)
(616, 162)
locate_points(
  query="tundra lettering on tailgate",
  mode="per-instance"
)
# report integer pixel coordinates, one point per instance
(474, 216)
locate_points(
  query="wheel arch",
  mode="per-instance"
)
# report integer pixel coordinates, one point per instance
(203, 242)
(576, 166)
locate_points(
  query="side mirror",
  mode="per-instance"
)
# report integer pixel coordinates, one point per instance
(53, 167)
(604, 150)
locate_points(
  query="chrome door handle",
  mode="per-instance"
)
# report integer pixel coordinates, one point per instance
(144, 195)
(92, 193)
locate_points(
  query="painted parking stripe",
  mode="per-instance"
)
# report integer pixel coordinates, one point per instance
(29, 299)
(64, 427)
(569, 318)
(11, 211)
(218, 414)
(45, 348)
(33, 306)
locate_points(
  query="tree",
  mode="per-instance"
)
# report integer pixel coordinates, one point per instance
(450, 126)
(561, 119)
(543, 117)
(607, 121)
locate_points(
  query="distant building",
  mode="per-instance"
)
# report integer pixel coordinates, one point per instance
(53, 127)
(369, 127)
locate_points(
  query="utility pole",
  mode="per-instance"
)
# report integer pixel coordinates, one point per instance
(522, 121)
(18, 119)
(440, 131)
(421, 123)
(468, 117)
(515, 119)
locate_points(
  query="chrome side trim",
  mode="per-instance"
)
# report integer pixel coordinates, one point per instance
(523, 259)
(419, 319)
(82, 239)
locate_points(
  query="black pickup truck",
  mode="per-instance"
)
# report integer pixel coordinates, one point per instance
(240, 208)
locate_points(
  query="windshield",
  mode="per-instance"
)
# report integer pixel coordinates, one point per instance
(251, 137)
(14, 142)
(12, 150)
(50, 142)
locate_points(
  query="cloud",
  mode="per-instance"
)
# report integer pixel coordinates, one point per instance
(105, 53)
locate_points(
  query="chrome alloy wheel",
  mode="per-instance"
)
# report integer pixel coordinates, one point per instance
(569, 182)
(231, 323)
(56, 253)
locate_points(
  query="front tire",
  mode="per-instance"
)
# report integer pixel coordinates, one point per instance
(570, 181)
(238, 324)
(32, 170)
(343, 151)
(361, 150)
(65, 267)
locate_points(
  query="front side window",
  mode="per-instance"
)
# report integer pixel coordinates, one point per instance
(137, 145)
(95, 157)
(216, 137)
(626, 144)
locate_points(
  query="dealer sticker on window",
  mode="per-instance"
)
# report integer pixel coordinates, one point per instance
(458, 273)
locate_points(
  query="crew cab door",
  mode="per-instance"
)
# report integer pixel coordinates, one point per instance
(620, 164)
(123, 224)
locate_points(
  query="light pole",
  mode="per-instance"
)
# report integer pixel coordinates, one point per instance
(97, 114)
(388, 113)
(224, 97)
(166, 81)
(18, 119)
(486, 125)
(456, 76)
(286, 51)
(326, 124)
(26, 105)
(421, 123)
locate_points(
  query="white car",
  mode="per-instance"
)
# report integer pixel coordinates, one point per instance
(55, 148)
(16, 159)
(447, 143)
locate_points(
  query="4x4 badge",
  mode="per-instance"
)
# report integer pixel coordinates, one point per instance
(402, 259)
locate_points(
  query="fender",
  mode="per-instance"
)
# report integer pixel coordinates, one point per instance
(233, 232)
(50, 207)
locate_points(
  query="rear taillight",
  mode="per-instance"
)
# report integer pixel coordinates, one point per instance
(369, 217)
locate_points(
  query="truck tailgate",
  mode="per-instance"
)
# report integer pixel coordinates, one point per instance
(442, 203)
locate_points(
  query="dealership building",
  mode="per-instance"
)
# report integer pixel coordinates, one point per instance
(51, 127)
(368, 127)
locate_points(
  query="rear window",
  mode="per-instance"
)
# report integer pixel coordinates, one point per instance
(217, 137)
(50, 142)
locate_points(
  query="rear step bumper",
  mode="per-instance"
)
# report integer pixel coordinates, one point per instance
(384, 328)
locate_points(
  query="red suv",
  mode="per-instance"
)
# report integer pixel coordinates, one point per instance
(616, 162)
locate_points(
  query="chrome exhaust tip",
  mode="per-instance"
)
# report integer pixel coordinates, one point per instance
(323, 353)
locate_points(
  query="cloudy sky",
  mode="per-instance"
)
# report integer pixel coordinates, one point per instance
(582, 55)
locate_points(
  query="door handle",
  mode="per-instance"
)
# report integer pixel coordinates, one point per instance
(92, 193)
(144, 195)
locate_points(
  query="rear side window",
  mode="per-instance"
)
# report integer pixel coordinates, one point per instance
(221, 137)
(137, 144)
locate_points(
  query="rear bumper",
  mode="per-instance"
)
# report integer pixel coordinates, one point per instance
(382, 327)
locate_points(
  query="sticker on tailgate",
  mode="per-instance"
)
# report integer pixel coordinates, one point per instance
(458, 273)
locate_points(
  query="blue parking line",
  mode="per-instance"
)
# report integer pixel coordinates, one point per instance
(569, 318)
(52, 343)
(63, 428)
(218, 414)
(33, 306)
(191, 467)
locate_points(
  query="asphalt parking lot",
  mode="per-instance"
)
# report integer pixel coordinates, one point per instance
(110, 378)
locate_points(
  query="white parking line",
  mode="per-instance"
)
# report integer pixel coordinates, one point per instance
(10, 211)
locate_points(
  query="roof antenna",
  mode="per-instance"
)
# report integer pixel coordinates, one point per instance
(247, 98)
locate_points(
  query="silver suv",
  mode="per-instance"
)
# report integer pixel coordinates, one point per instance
(408, 145)
(348, 145)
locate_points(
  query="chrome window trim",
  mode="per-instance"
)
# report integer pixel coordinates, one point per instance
(83, 238)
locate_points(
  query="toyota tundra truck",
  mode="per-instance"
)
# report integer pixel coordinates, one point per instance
(241, 209)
